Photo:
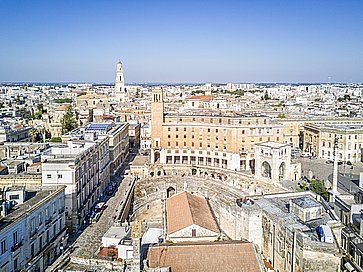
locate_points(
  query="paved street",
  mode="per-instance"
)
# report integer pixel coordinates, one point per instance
(322, 170)
(90, 240)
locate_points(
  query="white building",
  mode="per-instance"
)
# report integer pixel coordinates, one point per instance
(273, 161)
(120, 90)
(84, 168)
(33, 234)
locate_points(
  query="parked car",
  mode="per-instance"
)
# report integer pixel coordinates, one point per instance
(96, 218)
(305, 155)
(100, 207)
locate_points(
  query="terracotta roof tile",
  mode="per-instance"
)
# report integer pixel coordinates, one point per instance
(185, 209)
(230, 256)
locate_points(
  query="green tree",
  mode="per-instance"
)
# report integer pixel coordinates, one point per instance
(40, 107)
(281, 115)
(317, 186)
(56, 140)
(68, 121)
(38, 115)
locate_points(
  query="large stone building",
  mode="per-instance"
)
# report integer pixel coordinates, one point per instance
(319, 140)
(204, 138)
(33, 233)
(117, 135)
(83, 166)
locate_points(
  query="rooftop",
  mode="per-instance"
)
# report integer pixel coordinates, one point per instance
(236, 256)
(186, 209)
(36, 199)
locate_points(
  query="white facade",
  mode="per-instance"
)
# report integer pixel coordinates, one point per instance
(193, 233)
(120, 90)
(83, 167)
(226, 160)
(273, 161)
(33, 235)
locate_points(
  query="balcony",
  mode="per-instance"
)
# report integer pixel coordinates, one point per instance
(15, 247)
(33, 233)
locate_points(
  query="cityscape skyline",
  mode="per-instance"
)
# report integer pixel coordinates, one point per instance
(265, 41)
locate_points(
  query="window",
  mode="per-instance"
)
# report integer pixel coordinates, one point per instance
(15, 264)
(40, 217)
(40, 243)
(3, 246)
(194, 232)
(14, 197)
(49, 176)
(60, 176)
(15, 237)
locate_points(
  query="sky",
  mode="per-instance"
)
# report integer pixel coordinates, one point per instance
(181, 41)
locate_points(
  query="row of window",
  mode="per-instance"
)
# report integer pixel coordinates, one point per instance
(220, 121)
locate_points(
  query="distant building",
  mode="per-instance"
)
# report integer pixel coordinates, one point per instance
(319, 140)
(120, 90)
(208, 138)
(134, 134)
(14, 134)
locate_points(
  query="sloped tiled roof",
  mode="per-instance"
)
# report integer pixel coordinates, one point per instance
(227, 256)
(185, 209)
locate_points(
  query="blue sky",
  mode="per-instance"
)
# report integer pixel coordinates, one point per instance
(182, 41)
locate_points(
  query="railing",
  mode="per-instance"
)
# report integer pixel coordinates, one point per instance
(16, 246)
(32, 233)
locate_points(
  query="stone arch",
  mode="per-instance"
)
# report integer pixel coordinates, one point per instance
(282, 171)
(266, 170)
(170, 192)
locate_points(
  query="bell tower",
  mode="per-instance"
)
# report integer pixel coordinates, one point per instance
(120, 90)
(157, 119)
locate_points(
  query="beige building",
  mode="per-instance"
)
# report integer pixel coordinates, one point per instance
(319, 140)
(88, 103)
(205, 138)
